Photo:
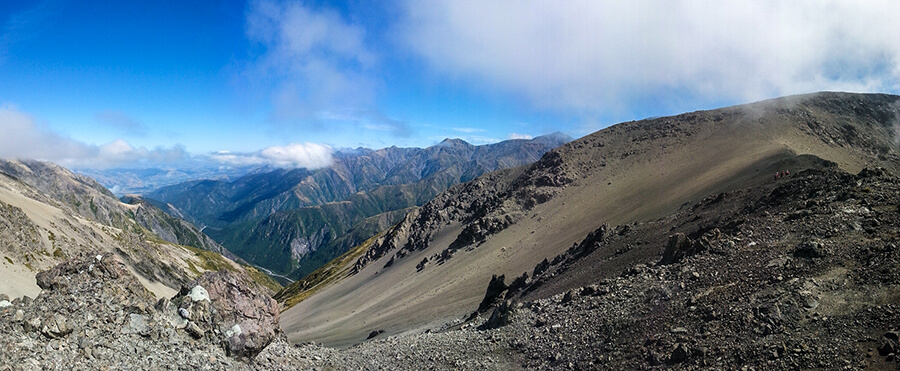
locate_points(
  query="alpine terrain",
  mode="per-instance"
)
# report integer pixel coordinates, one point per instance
(684, 227)
(294, 221)
(760, 236)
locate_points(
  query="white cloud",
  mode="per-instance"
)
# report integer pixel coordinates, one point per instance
(520, 136)
(597, 56)
(313, 60)
(21, 137)
(294, 155)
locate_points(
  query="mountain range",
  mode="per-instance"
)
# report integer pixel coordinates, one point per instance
(293, 221)
(761, 236)
(431, 269)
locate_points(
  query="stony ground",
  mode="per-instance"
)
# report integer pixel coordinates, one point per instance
(802, 275)
(797, 274)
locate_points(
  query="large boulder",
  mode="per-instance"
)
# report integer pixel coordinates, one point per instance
(233, 308)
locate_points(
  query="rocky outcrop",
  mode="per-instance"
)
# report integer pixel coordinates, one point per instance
(494, 291)
(18, 235)
(105, 271)
(245, 319)
(93, 312)
(681, 246)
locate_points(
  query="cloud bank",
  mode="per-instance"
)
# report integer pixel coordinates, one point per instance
(294, 155)
(22, 137)
(600, 56)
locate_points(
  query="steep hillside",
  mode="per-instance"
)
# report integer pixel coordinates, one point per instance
(795, 273)
(49, 214)
(431, 268)
(294, 221)
(172, 229)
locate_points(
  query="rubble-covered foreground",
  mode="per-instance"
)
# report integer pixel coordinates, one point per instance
(801, 273)
(93, 314)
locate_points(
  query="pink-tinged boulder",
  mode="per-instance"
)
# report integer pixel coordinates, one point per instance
(245, 317)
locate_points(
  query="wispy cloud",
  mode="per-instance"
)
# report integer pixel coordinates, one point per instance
(313, 60)
(469, 130)
(22, 137)
(25, 23)
(306, 155)
(368, 119)
(519, 136)
(120, 121)
(600, 56)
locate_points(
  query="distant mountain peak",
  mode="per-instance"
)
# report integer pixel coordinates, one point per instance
(454, 142)
(558, 135)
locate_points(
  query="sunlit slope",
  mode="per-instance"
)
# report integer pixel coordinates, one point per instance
(48, 214)
(506, 222)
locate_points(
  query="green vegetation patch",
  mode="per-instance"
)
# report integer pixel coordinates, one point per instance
(320, 278)
(261, 278)
(213, 261)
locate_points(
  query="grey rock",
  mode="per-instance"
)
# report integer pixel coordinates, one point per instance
(198, 293)
(137, 324)
(568, 296)
(495, 288)
(679, 247)
(55, 326)
(810, 303)
(499, 317)
(33, 325)
(195, 331)
(679, 330)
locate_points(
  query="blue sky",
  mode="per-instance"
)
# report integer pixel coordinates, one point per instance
(162, 83)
